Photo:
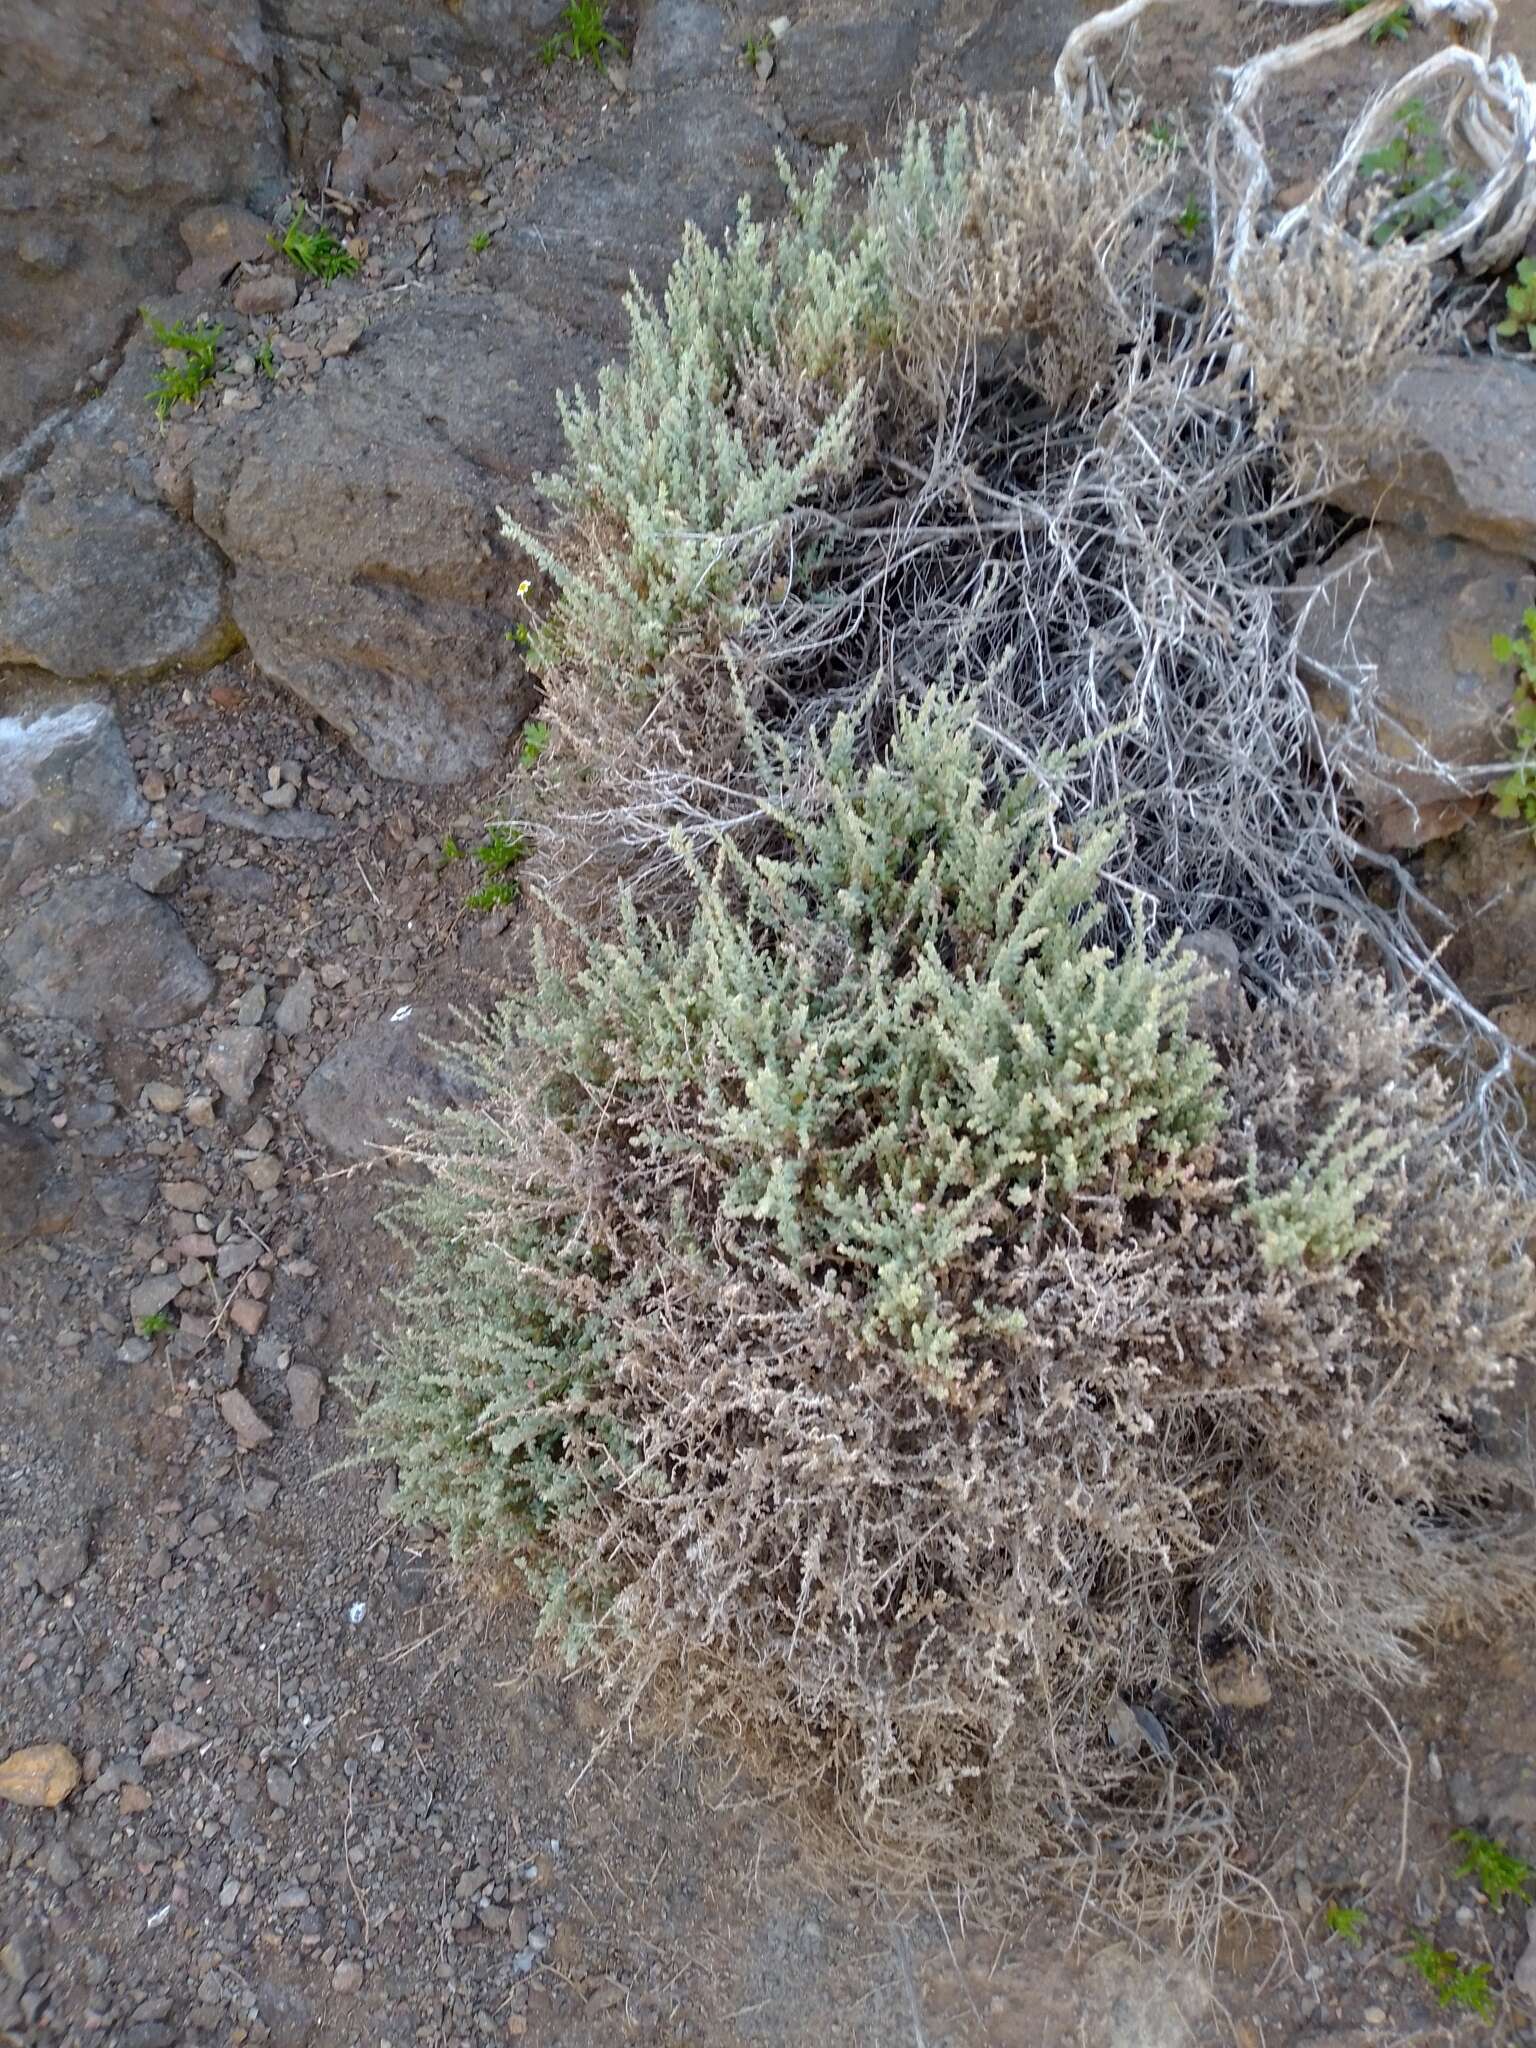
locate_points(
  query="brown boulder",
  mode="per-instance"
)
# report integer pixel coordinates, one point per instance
(1396, 649)
(1455, 453)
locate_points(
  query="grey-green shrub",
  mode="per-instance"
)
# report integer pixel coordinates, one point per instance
(871, 1304)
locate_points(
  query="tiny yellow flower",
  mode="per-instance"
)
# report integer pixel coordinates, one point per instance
(524, 587)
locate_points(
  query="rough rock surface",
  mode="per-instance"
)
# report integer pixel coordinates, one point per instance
(113, 122)
(1458, 455)
(840, 73)
(1407, 621)
(66, 783)
(685, 156)
(100, 953)
(97, 577)
(370, 576)
(356, 1099)
(38, 1194)
(1484, 881)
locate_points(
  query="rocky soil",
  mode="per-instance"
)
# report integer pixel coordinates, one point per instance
(256, 681)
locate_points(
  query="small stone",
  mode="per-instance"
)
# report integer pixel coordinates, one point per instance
(297, 1006)
(238, 1256)
(62, 1867)
(168, 1742)
(200, 1112)
(292, 1898)
(248, 1316)
(306, 1389)
(157, 870)
(347, 1976)
(263, 297)
(44, 1775)
(250, 1431)
(189, 1195)
(16, 1077)
(153, 1296)
(164, 1097)
(253, 1006)
(283, 798)
(235, 1060)
(343, 340)
(63, 1564)
(264, 1173)
(279, 1788)
(132, 1799)
(1237, 1680)
(1525, 1969)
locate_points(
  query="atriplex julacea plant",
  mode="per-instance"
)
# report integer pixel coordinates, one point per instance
(880, 1238)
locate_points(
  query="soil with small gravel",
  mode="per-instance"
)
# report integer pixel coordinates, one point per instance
(330, 1794)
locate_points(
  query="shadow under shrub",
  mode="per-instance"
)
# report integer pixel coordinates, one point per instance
(875, 1309)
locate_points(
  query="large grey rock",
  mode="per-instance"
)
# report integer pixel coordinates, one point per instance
(840, 73)
(1456, 453)
(370, 576)
(1407, 621)
(1013, 51)
(66, 783)
(356, 1100)
(678, 43)
(621, 209)
(97, 578)
(100, 953)
(114, 120)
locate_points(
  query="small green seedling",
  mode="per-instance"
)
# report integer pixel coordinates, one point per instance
(1395, 25)
(1497, 1874)
(451, 849)
(1520, 298)
(316, 251)
(266, 361)
(1162, 134)
(480, 241)
(1347, 1922)
(535, 740)
(1191, 220)
(493, 895)
(183, 383)
(498, 853)
(155, 1324)
(1515, 794)
(1422, 187)
(1454, 1981)
(583, 35)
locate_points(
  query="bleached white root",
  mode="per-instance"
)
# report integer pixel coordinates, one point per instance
(1490, 127)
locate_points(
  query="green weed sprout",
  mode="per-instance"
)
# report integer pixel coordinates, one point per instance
(583, 35)
(1497, 1874)
(155, 1324)
(1415, 168)
(1454, 1981)
(451, 848)
(1520, 298)
(1515, 794)
(1347, 1922)
(499, 853)
(535, 740)
(480, 241)
(1191, 220)
(182, 383)
(316, 251)
(1396, 24)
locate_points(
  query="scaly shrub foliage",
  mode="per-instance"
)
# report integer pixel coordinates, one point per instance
(872, 1303)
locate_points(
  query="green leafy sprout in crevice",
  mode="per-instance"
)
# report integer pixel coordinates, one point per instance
(1420, 187)
(583, 35)
(498, 854)
(1457, 1984)
(1520, 298)
(1347, 1922)
(1393, 27)
(1515, 793)
(183, 382)
(315, 250)
(1497, 1874)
